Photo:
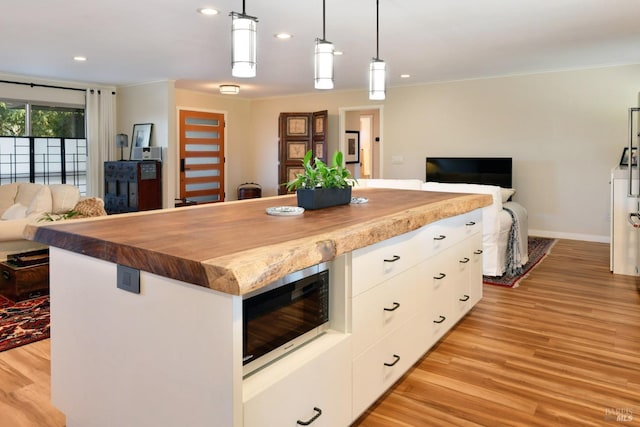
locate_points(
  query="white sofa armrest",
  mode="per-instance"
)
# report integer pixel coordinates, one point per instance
(12, 229)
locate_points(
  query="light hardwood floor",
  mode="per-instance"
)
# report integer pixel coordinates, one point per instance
(561, 349)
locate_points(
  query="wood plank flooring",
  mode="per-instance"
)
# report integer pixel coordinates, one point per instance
(561, 349)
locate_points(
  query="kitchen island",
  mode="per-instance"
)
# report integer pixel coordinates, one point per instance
(172, 353)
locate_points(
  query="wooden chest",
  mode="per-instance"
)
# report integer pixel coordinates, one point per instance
(20, 283)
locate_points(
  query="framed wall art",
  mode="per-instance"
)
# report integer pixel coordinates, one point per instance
(352, 146)
(141, 136)
(624, 160)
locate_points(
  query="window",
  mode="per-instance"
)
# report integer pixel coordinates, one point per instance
(42, 143)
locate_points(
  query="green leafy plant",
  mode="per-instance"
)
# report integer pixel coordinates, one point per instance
(320, 175)
(48, 217)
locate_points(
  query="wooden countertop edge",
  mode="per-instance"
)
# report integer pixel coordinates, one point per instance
(243, 272)
(239, 274)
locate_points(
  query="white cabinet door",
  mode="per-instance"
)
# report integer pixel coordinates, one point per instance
(315, 391)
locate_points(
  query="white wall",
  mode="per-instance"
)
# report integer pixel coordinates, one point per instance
(152, 103)
(564, 130)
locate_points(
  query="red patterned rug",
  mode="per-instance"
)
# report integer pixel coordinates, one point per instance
(538, 248)
(24, 322)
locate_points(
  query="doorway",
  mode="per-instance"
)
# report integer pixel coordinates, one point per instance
(367, 121)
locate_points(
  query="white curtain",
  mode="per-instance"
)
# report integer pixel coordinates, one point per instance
(101, 136)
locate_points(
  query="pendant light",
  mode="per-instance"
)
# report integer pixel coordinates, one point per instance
(243, 44)
(323, 59)
(377, 68)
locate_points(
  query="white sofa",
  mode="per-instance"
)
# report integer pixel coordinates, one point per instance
(496, 221)
(23, 203)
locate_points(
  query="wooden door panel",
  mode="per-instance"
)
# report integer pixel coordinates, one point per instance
(201, 156)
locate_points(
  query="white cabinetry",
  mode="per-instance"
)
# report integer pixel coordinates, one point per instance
(407, 292)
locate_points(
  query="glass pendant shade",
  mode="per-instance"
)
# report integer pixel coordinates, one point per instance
(377, 78)
(324, 64)
(243, 45)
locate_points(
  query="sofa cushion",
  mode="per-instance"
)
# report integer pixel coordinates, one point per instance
(41, 201)
(8, 195)
(63, 197)
(15, 211)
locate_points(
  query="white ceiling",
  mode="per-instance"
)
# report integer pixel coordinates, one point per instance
(138, 41)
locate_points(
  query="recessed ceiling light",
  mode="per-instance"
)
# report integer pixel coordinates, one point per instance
(209, 11)
(229, 89)
(283, 36)
(338, 52)
(405, 76)
(80, 58)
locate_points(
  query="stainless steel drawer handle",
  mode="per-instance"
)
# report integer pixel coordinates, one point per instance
(440, 237)
(470, 224)
(318, 412)
(393, 259)
(440, 320)
(464, 260)
(478, 252)
(440, 276)
(396, 305)
(464, 298)
(396, 360)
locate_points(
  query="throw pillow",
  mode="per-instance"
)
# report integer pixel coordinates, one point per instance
(16, 211)
(64, 197)
(90, 207)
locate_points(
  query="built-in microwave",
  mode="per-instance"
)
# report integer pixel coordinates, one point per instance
(284, 315)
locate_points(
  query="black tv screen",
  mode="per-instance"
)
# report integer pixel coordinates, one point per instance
(470, 170)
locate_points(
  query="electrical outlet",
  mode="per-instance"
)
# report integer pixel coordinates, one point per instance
(128, 279)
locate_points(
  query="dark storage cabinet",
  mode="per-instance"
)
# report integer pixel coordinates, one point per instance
(132, 186)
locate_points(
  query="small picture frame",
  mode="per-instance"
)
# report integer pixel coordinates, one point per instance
(352, 146)
(141, 136)
(624, 160)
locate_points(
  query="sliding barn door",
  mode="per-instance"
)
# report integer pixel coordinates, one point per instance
(201, 156)
(297, 134)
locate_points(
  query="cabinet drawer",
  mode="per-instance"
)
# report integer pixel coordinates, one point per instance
(372, 375)
(386, 306)
(309, 384)
(377, 263)
(445, 233)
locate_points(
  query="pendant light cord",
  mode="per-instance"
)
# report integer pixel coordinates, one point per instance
(243, 10)
(377, 30)
(323, 19)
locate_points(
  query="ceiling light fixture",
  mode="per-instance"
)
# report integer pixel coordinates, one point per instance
(243, 44)
(377, 67)
(229, 89)
(283, 36)
(80, 58)
(208, 11)
(323, 59)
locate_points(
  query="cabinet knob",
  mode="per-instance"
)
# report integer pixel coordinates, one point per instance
(317, 411)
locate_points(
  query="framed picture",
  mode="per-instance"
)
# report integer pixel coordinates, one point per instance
(352, 146)
(141, 136)
(624, 160)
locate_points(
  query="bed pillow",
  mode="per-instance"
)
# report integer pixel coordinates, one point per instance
(507, 193)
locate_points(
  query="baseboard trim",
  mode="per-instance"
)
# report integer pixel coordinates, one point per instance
(570, 236)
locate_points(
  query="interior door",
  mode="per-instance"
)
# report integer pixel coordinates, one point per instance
(201, 156)
(297, 134)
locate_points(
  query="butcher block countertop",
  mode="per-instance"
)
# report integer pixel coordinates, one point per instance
(235, 247)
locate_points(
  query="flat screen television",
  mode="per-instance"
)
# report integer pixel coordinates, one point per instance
(470, 170)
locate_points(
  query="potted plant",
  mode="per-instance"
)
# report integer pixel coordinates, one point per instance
(321, 185)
